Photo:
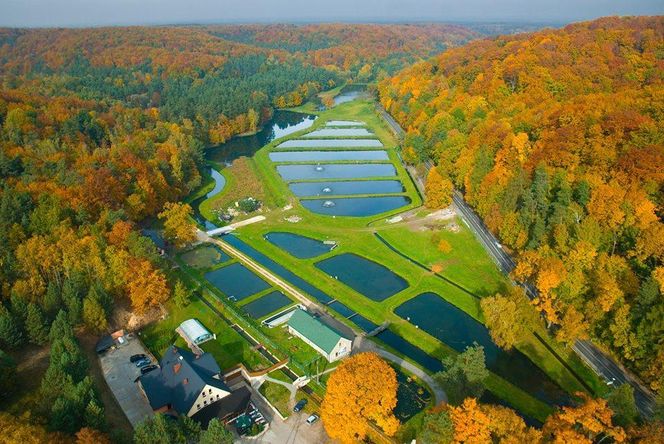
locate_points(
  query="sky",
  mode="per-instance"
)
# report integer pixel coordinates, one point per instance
(65, 13)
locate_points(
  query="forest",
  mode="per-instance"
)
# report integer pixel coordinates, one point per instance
(556, 139)
(100, 130)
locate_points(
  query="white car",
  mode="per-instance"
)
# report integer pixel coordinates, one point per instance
(312, 419)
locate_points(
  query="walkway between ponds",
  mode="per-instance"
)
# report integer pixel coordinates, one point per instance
(363, 344)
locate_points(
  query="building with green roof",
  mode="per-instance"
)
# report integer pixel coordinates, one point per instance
(325, 340)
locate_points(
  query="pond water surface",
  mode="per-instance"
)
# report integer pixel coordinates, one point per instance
(457, 329)
(349, 93)
(331, 143)
(322, 156)
(344, 123)
(236, 281)
(301, 247)
(335, 171)
(355, 206)
(365, 276)
(267, 304)
(282, 124)
(411, 397)
(339, 132)
(345, 188)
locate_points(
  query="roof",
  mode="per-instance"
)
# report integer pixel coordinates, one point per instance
(311, 328)
(104, 343)
(194, 330)
(231, 405)
(180, 379)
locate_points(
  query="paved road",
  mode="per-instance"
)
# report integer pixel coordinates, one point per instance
(602, 364)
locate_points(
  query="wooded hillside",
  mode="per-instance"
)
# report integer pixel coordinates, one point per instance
(557, 139)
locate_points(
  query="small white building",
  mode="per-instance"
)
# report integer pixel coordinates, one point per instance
(321, 337)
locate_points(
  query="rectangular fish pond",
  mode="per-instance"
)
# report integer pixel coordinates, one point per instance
(204, 256)
(322, 156)
(367, 277)
(335, 171)
(412, 397)
(267, 304)
(299, 246)
(457, 329)
(331, 143)
(344, 123)
(236, 281)
(339, 132)
(278, 269)
(346, 188)
(355, 206)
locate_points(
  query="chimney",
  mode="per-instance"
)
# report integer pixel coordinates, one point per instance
(176, 368)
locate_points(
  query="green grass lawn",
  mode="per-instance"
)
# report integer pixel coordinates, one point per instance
(229, 348)
(466, 264)
(278, 395)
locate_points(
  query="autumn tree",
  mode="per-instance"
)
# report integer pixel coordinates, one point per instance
(438, 190)
(362, 389)
(178, 227)
(88, 435)
(583, 424)
(146, 286)
(509, 318)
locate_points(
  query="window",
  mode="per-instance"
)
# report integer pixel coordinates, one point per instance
(205, 402)
(217, 395)
(210, 391)
(204, 394)
(198, 406)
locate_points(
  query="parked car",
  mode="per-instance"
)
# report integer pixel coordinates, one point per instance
(142, 362)
(300, 405)
(311, 419)
(137, 357)
(148, 368)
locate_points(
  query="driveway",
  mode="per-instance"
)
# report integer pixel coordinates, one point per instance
(120, 375)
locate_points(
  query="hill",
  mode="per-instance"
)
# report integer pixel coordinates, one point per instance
(556, 138)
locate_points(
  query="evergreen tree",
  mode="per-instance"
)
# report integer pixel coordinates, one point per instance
(52, 300)
(7, 374)
(464, 375)
(61, 328)
(181, 295)
(622, 403)
(36, 326)
(94, 316)
(94, 415)
(216, 433)
(11, 335)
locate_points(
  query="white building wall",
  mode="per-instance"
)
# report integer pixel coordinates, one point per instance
(210, 396)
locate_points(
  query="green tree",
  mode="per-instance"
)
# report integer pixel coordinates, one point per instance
(60, 328)
(216, 433)
(509, 318)
(36, 326)
(94, 315)
(181, 295)
(11, 335)
(464, 375)
(622, 403)
(437, 427)
(94, 415)
(161, 430)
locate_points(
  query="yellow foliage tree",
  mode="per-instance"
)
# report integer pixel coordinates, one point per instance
(438, 190)
(146, 285)
(178, 227)
(361, 390)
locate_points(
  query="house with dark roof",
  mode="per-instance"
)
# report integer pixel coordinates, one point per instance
(323, 338)
(187, 384)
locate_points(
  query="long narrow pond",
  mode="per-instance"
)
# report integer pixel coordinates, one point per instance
(339, 132)
(457, 329)
(322, 156)
(335, 171)
(355, 206)
(346, 188)
(331, 143)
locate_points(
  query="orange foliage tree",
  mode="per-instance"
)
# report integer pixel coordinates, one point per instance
(361, 390)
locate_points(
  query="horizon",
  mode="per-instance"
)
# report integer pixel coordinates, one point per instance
(96, 13)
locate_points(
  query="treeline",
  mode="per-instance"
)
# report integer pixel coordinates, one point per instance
(364, 51)
(556, 138)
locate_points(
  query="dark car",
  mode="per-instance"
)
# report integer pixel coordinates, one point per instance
(148, 368)
(300, 405)
(142, 362)
(138, 357)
